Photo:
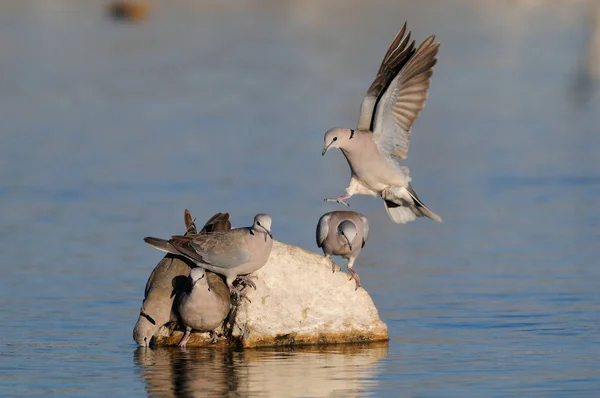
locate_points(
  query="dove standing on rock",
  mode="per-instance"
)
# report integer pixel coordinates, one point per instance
(343, 233)
(233, 254)
(388, 111)
(204, 303)
(166, 280)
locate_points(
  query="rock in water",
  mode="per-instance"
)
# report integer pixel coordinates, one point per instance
(299, 301)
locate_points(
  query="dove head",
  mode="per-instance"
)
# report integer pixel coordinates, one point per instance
(262, 223)
(144, 330)
(197, 274)
(347, 231)
(337, 137)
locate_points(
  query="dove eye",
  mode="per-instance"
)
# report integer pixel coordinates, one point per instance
(334, 138)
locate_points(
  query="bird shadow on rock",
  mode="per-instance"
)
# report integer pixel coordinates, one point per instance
(179, 284)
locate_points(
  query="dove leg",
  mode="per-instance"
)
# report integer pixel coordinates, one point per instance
(186, 337)
(238, 296)
(340, 199)
(213, 337)
(386, 194)
(333, 264)
(354, 273)
(355, 277)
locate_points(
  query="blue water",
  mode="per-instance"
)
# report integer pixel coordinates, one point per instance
(108, 131)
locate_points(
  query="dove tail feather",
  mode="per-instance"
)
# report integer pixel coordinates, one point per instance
(404, 209)
(420, 206)
(161, 244)
(398, 213)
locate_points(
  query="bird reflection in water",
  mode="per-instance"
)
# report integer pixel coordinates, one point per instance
(309, 371)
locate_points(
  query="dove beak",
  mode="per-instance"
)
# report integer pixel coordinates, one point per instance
(325, 150)
(267, 232)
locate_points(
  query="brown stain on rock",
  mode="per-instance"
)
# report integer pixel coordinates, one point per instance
(167, 338)
(294, 339)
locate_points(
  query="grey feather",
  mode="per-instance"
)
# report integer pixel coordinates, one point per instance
(365, 230)
(396, 56)
(322, 229)
(403, 100)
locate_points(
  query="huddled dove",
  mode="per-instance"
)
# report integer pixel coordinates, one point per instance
(166, 280)
(203, 304)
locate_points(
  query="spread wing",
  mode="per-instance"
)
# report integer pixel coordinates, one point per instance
(225, 249)
(400, 104)
(323, 229)
(397, 54)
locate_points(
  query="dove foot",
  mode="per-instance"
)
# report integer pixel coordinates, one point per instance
(333, 266)
(246, 280)
(213, 337)
(355, 277)
(238, 294)
(338, 200)
(185, 339)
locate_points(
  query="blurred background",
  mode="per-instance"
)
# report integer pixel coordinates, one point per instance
(115, 118)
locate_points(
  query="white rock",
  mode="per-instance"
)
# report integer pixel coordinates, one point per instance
(298, 299)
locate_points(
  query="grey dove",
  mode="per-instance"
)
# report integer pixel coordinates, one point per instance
(343, 233)
(388, 111)
(204, 303)
(233, 254)
(166, 280)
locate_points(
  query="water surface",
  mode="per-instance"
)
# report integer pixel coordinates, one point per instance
(110, 130)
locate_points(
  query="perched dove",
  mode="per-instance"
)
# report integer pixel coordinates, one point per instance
(203, 304)
(166, 280)
(343, 233)
(233, 254)
(388, 111)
